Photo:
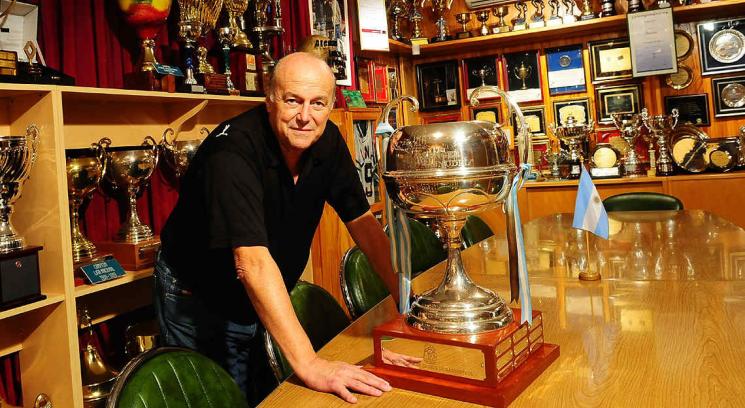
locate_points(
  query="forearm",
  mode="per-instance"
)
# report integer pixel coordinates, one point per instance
(370, 238)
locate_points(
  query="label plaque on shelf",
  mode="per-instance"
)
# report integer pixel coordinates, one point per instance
(104, 269)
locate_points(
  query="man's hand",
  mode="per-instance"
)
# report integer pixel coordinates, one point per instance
(339, 378)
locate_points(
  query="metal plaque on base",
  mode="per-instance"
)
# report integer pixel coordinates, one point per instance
(490, 368)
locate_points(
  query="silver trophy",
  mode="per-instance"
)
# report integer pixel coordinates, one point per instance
(440, 9)
(177, 154)
(446, 171)
(629, 127)
(84, 172)
(17, 156)
(128, 170)
(397, 9)
(574, 134)
(661, 126)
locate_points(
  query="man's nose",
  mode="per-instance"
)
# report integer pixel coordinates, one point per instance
(305, 112)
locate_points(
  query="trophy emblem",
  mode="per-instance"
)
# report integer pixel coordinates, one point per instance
(17, 157)
(522, 73)
(463, 19)
(629, 127)
(177, 154)
(554, 19)
(501, 27)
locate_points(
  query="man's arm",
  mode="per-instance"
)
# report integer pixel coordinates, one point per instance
(263, 282)
(369, 236)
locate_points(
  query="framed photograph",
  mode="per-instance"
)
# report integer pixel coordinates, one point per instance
(365, 80)
(380, 76)
(721, 46)
(578, 108)
(522, 73)
(692, 109)
(330, 18)
(540, 148)
(393, 88)
(437, 85)
(610, 60)
(489, 113)
(480, 71)
(618, 99)
(566, 70)
(535, 117)
(652, 42)
(729, 96)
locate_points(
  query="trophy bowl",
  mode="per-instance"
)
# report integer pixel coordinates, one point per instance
(85, 169)
(128, 170)
(17, 156)
(148, 17)
(177, 154)
(447, 171)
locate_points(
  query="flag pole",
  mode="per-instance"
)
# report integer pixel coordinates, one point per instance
(588, 275)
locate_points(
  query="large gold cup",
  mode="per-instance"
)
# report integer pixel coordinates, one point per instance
(177, 154)
(235, 10)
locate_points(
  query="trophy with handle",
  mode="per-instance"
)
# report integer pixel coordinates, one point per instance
(178, 154)
(629, 127)
(188, 31)
(661, 126)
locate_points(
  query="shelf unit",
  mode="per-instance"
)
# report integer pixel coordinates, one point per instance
(45, 333)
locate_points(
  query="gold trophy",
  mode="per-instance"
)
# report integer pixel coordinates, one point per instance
(463, 19)
(537, 20)
(98, 377)
(522, 73)
(202, 17)
(483, 16)
(519, 22)
(235, 10)
(501, 27)
(177, 154)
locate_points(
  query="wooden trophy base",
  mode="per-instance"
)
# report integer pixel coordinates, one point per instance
(215, 83)
(490, 368)
(19, 277)
(131, 256)
(150, 81)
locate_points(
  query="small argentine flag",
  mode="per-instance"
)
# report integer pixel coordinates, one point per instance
(589, 213)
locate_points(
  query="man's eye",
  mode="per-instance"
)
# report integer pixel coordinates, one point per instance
(319, 104)
(291, 101)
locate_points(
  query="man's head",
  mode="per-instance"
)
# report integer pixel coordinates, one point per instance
(299, 100)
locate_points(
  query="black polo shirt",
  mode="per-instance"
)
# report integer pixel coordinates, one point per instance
(239, 192)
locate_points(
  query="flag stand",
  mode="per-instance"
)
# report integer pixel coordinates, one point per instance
(588, 275)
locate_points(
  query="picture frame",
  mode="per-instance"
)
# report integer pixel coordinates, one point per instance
(610, 60)
(393, 86)
(353, 98)
(330, 18)
(539, 148)
(692, 109)
(487, 112)
(579, 108)
(618, 99)
(684, 44)
(438, 86)
(720, 45)
(652, 42)
(380, 76)
(522, 76)
(535, 117)
(365, 79)
(472, 78)
(440, 117)
(565, 70)
(729, 96)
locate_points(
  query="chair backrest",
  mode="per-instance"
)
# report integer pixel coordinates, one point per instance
(642, 201)
(474, 231)
(320, 315)
(426, 249)
(174, 377)
(361, 287)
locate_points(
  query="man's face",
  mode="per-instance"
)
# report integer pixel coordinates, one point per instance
(300, 106)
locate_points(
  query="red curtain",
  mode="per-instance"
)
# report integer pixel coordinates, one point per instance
(10, 379)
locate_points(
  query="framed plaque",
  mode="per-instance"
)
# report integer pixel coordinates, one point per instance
(365, 80)
(729, 96)
(535, 117)
(652, 42)
(691, 108)
(579, 108)
(618, 99)
(610, 60)
(721, 46)
(566, 71)
(480, 71)
(437, 85)
(490, 113)
(331, 20)
(522, 71)
(683, 44)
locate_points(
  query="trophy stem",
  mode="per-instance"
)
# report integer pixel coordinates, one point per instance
(9, 240)
(148, 55)
(133, 230)
(81, 247)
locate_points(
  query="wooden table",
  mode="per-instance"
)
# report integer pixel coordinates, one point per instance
(665, 327)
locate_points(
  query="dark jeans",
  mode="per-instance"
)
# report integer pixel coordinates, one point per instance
(185, 322)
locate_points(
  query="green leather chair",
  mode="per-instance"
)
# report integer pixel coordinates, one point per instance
(320, 315)
(642, 202)
(426, 249)
(474, 231)
(361, 287)
(174, 377)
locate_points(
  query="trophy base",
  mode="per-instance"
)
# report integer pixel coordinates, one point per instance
(490, 368)
(585, 17)
(419, 41)
(500, 29)
(191, 88)
(569, 19)
(19, 277)
(132, 256)
(215, 83)
(605, 172)
(462, 34)
(553, 22)
(441, 39)
(150, 81)
(537, 24)
(519, 26)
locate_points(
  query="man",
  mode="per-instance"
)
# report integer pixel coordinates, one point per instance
(240, 234)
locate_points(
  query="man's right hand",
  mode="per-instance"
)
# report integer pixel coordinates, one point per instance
(339, 377)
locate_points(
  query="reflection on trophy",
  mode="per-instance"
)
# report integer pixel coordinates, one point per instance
(536, 20)
(661, 126)
(463, 19)
(522, 73)
(574, 134)
(587, 13)
(501, 27)
(85, 168)
(177, 154)
(17, 157)
(568, 16)
(518, 23)
(483, 16)
(629, 126)
(397, 9)
(555, 19)
(98, 377)
(446, 171)
(440, 8)
(189, 31)
(235, 10)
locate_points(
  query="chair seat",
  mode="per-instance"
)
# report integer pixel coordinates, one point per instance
(642, 201)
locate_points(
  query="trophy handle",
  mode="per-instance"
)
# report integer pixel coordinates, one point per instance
(100, 149)
(150, 141)
(383, 118)
(165, 142)
(204, 131)
(33, 131)
(675, 115)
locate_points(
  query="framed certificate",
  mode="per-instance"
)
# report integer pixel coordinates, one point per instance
(610, 60)
(522, 73)
(721, 46)
(489, 113)
(618, 99)
(578, 108)
(729, 96)
(437, 85)
(535, 117)
(652, 42)
(566, 71)
(692, 109)
(480, 71)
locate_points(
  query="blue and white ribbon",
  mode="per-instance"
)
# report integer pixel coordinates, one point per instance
(526, 305)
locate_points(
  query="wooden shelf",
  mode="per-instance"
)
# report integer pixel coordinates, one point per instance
(600, 25)
(13, 348)
(82, 94)
(52, 299)
(131, 276)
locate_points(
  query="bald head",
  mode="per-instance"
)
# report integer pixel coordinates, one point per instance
(305, 65)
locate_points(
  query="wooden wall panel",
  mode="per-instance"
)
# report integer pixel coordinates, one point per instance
(723, 195)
